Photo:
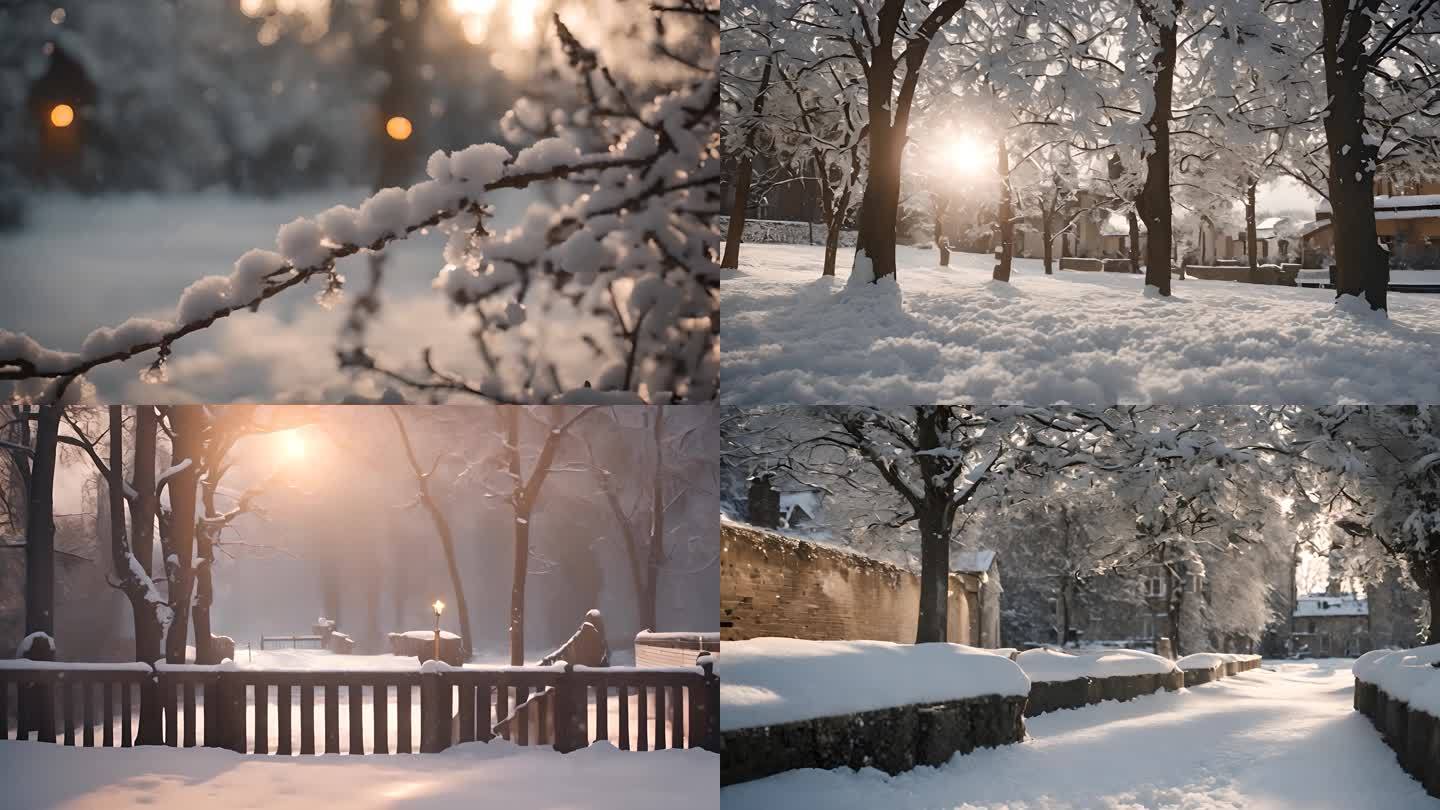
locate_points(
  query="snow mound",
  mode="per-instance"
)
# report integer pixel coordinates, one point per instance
(1412, 676)
(768, 681)
(945, 335)
(1044, 664)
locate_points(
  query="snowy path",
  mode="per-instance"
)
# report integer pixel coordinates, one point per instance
(1283, 736)
(1084, 338)
(497, 775)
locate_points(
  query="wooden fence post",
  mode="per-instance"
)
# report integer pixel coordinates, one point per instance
(565, 707)
(711, 735)
(435, 712)
(231, 689)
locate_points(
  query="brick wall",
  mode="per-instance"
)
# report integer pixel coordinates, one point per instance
(779, 586)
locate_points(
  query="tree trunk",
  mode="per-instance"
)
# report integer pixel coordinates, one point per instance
(1154, 200)
(879, 207)
(1362, 266)
(521, 567)
(744, 176)
(188, 423)
(1005, 214)
(1133, 246)
(149, 631)
(832, 247)
(1251, 248)
(442, 530)
(1047, 223)
(941, 243)
(934, 539)
(1430, 571)
(649, 608)
(40, 531)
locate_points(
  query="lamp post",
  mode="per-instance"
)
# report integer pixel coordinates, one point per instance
(439, 607)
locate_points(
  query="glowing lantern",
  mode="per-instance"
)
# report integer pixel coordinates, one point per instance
(62, 115)
(398, 127)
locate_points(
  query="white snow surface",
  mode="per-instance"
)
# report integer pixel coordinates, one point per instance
(1408, 675)
(1045, 664)
(1344, 605)
(950, 334)
(768, 681)
(1211, 660)
(1280, 738)
(428, 634)
(495, 774)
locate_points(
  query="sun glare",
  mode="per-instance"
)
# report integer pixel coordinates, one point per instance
(292, 445)
(968, 156)
(480, 19)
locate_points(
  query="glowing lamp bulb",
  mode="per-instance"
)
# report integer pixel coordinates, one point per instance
(398, 127)
(438, 606)
(62, 115)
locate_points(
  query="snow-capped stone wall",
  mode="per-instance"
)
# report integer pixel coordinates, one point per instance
(774, 585)
(790, 703)
(1399, 691)
(786, 232)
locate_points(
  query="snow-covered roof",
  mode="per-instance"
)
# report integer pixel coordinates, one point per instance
(973, 562)
(1384, 201)
(1343, 605)
(1270, 223)
(808, 499)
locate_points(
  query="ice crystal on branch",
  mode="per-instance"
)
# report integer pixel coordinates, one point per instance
(608, 290)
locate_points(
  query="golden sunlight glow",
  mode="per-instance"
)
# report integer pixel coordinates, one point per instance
(479, 19)
(62, 115)
(398, 127)
(292, 444)
(969, 156)
(439, 607)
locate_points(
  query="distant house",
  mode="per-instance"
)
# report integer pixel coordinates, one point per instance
(981, 567)
(1336, 624)
(800, 508)
(1407, 223)
(1114, 235)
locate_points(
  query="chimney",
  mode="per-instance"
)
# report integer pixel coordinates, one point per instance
(762, 506)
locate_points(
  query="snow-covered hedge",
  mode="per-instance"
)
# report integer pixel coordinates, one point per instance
(786, 232)
(1399, 691)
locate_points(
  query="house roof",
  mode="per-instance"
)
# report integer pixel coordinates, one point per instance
(976, 561)
(1343, 605)
(1392, 202)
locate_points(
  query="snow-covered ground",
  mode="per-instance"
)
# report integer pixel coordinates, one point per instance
(80, 263)
(1276, 738)
(475, 775)
(1085, 338)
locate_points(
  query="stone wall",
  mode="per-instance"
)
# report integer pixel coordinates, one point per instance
(1049, 696)
(771, 585)
(1282, 275)
(785, 232)
(893, 740)
(1413, 735)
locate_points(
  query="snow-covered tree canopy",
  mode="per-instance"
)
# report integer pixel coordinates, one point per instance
(610, 290)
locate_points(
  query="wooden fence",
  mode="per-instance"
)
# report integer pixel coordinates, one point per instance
(363, 711)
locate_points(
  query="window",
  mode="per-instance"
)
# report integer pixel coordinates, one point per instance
(1155, 585)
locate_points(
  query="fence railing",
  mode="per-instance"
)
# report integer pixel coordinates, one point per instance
(292, 643)
(362, 711)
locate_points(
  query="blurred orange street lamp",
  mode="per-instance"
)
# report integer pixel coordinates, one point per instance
(439, 607)
(398, 127)
(62, 115)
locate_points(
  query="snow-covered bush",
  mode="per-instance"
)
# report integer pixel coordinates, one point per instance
(611, 287)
